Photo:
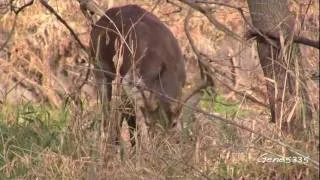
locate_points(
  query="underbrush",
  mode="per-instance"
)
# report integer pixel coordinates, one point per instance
(38, 141)
(26, 131)
(65, 141)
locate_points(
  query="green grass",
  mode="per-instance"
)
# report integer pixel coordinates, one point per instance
(219, 104)
(37, 141)
(25, 131)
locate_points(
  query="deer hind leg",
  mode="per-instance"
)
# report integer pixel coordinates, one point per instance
(109, 129)
(136, 96)
(131, 121)
(128, 115)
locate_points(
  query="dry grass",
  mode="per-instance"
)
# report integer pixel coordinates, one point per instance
(43, 135)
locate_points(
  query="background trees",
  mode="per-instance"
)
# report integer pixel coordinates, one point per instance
(47, 134)
(282, 63)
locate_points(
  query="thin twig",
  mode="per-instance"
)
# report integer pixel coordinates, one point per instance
(46, 5)
(22, 7)
(225, 120)
(296, 39)
(213, 20)
(192, 44)
(17, 12)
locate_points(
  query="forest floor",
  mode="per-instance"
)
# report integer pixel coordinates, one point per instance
(45, 135)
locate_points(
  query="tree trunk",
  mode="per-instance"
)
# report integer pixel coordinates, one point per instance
(288, 98)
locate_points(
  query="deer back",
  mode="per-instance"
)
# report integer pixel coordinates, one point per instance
(146, 46)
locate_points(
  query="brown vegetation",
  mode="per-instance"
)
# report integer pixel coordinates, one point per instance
(226, 135)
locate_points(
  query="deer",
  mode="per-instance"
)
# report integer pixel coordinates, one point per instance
(132, 47)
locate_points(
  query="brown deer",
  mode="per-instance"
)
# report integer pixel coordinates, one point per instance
(133, 47)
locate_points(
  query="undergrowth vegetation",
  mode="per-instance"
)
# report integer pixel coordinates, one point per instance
(38, 141)
(46, 135)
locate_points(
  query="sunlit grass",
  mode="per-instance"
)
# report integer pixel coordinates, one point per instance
(218, 104)
(25, 131)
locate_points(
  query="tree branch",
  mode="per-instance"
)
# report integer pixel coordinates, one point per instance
(17, 11)
(46, 5)
(296, 39)
(212, 19)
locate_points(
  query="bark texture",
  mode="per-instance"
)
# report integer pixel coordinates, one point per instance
(288, 98)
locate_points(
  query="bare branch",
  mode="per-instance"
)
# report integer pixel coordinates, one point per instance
(192, 44)
(222, 27)
(296, 39)
(212, 19)
(194, 91)
(176, 5)
(46, 5)
(17, 11)
(231, 122)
